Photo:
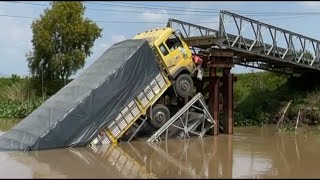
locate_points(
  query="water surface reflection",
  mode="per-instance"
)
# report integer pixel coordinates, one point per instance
(249, 153)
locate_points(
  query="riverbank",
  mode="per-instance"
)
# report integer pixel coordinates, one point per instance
(259, 98)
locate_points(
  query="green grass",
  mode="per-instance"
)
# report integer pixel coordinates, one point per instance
(6, 123)
(259, 96)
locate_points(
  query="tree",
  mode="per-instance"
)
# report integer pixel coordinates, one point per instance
(62, 40)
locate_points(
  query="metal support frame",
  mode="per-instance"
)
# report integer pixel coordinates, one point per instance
(139, 127)
(265, 66)
(193, 29)
(251, 36)
(186, 128)
(188, 29)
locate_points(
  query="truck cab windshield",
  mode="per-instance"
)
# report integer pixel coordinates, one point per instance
(173, 42)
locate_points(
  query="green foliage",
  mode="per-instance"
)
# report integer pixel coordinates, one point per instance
(15, 109)
(287, 127)
(260, 96)
(313, 98)
(62, 39)
(9, 81)
(17, 98)
(8, 123)
(257, 95)
(18, 91)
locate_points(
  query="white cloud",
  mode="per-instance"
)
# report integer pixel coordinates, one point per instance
(199, 4)
(158, 16)
(100, 46)
(11, 51)
(104, 45)
(310, 4)
(217, 5)
(212, 23)
(117, 38)
(15, 37)
(114, 39)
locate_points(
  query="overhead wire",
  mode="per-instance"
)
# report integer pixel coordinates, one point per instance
(117, 10)
(175, 7)
(178, 14)
(200, 9)
(140, 22)
(112, 21)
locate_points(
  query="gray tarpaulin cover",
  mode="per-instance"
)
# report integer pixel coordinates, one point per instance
(73, 116)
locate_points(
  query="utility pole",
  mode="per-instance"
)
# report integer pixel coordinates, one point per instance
(42, 87)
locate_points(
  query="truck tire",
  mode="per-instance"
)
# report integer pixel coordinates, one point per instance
(160, 115)
(184, 85)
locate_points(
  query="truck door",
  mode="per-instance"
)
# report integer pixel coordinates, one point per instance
(176, 52)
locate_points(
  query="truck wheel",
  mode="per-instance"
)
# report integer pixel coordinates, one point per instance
(184, 85)
(160, 115)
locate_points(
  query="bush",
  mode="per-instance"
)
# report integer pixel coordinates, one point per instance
(257, 95)
(260, 96)
(15, 109)
(17, 97)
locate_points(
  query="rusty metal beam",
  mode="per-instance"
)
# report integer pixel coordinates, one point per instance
(221, 65)
(228, 101)
(201, 41)
(221, 53)
(214, 98)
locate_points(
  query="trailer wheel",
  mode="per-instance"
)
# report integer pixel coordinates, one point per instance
(184, 85)
(160, 115)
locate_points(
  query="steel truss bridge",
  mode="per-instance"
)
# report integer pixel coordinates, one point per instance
(254, 43)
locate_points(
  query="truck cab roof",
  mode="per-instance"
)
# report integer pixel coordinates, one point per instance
(155, 35)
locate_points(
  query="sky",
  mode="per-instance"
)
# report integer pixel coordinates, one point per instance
(114, 18)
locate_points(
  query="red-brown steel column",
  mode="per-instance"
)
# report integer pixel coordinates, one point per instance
(214, 98)
(228, 101)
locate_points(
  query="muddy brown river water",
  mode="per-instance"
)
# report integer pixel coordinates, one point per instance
(253, 152)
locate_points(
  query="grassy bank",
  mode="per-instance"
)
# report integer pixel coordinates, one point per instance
(8, 123)
(17, 99)
(261, 97)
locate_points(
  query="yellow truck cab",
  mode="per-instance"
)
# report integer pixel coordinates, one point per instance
(175, 56)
